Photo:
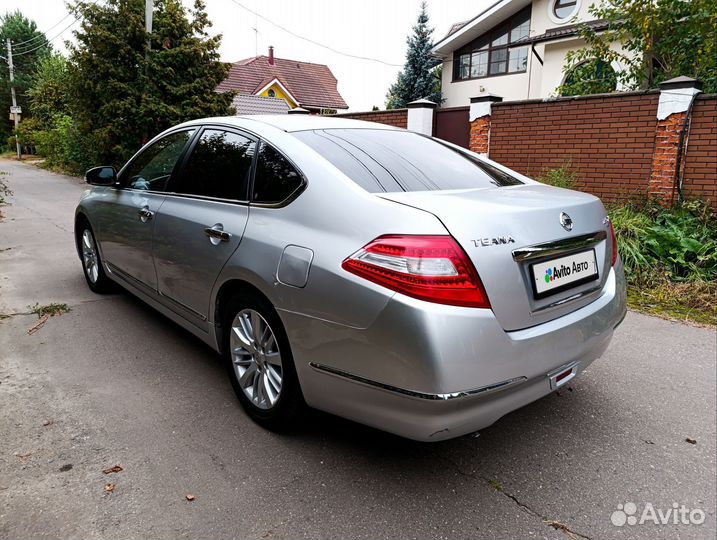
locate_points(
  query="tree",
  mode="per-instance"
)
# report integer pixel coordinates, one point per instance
(660, 39)
(416, 80)
(30, 45)
(47, 93)
(122, 93)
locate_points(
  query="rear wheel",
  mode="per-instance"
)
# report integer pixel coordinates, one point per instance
(95, 275)
(260, 363)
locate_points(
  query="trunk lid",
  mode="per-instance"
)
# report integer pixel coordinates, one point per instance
(507, 230)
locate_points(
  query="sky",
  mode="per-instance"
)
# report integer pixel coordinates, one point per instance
(371, 28)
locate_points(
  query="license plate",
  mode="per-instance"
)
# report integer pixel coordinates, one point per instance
(555, 275)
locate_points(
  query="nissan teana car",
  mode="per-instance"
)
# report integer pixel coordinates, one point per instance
(378, 274)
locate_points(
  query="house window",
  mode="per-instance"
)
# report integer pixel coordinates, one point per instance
(271, 93)
(497, 52)
(562, 10)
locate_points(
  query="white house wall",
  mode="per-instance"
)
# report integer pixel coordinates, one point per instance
(554, 57)
(510, 87)
(540, 20)
(542, 79)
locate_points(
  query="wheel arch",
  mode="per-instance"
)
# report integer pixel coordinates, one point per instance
(80, 219)
(226, 290)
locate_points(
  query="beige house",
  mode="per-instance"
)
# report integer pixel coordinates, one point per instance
(514, 49)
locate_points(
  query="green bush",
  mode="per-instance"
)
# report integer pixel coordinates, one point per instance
(64, 146)
(678, 243)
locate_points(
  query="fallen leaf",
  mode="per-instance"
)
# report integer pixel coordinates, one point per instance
(116, 468)
(190, 497)
(39, 324)
(690, 440)
(109, 488)
(23, 456)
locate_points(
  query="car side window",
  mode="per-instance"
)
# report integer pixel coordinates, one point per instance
(275, 178)
(153, 167)
(219, 166)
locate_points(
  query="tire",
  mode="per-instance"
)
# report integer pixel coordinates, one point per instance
(264, 376)
(97, 280)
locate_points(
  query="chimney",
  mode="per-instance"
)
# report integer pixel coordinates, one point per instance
(271, 55)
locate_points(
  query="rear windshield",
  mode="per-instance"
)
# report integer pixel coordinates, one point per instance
(381, 160)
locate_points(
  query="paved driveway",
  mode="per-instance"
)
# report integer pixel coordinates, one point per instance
(112, 382)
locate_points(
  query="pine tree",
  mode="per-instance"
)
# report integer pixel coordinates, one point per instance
(30, 45)
(417, 80)
(123, 93)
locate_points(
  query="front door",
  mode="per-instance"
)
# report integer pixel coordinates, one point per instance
(126, 223)
(202, 220)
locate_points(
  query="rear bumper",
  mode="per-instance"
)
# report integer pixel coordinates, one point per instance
(431, 372)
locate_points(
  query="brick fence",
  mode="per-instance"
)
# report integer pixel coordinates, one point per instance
(701, 154)
(621, 146)
(608, 140)
(394, 117)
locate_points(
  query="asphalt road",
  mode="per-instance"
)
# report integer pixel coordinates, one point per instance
(112, 382)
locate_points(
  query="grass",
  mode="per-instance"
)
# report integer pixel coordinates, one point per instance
(495, 485)
(691, 302)
(565, 176)
(49, 309)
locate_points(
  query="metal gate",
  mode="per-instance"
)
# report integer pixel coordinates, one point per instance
(452, 125)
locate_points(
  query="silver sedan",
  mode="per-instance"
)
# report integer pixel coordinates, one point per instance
(374, 273)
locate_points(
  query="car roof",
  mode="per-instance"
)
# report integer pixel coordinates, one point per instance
(291, 122)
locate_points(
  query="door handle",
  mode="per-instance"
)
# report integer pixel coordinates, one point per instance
(218, 234)
(145, 214)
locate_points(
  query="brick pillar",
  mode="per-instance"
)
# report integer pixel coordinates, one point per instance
(675, 98)
(479, 118)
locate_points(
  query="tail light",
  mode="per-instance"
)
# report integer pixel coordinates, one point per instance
(614, 244)
(431, 268)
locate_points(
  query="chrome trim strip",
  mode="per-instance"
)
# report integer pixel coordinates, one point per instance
(185, 307)
(556, 247)
(568, 299)
(412, 393)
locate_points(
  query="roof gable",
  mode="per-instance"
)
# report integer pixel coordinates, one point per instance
(313, 85)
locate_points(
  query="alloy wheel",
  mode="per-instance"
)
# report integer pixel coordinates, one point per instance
(89, 256)
(256, 358)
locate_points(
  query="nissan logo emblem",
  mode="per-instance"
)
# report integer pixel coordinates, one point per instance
(566, 221)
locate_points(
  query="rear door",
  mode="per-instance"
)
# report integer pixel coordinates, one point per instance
(126, 221)
(203, 219)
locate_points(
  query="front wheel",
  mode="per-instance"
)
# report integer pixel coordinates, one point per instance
(260, 363)
(95, 275)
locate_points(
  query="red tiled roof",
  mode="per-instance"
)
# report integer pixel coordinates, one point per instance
(313, 85)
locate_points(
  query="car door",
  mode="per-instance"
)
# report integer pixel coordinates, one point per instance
(202, 220)
(126, 220)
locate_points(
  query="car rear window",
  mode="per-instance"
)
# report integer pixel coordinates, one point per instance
(381, 160)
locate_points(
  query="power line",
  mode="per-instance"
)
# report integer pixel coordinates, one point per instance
(46, 43)
(42, 34)
(280, 27)
(31, 47)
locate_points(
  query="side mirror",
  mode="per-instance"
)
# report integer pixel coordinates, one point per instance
(101, 176)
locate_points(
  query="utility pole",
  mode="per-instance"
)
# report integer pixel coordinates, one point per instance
(15, 114)
(148, 12)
